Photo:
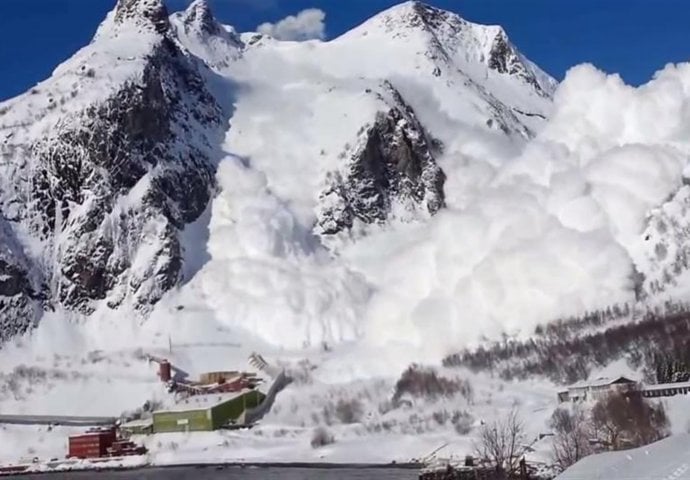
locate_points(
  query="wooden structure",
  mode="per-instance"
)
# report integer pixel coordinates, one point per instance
(208, 378)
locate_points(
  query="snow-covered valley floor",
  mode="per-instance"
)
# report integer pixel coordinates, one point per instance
(110, 382)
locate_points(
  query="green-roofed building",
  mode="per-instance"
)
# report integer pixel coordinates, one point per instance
(206, 412)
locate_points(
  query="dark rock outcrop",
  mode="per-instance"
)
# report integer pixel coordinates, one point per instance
(20, 291)
(446, 31)
(143, 12)
(505, 58)
(129, 141)
(200, 18)
(107, 187)
(666, 243)
(205, 37)
(393, 164)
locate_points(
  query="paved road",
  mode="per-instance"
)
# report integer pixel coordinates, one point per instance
(56, 420)
(211, 472)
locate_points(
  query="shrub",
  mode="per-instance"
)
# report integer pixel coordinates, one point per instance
(349, 411)
(321, 437)
(566, 351)
(426, 383)
(463, 422)
(622, 421)
(440, 417)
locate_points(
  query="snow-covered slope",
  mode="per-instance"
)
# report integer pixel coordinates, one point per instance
(204, 37)
(94, 163)
(666, 459)
(96, 156)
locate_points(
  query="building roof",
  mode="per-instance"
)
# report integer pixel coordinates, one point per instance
(601, 382)
(142, 422)
(202, 402)
(665, 386)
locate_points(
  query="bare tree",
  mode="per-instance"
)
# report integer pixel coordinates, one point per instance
(501, 444)
(628, 420)
(571, 440)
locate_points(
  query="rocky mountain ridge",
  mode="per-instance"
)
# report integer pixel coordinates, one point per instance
(105, 163)
(100, 196)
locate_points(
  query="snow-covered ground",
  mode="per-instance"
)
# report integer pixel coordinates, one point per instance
(668, 459)
(534, 229)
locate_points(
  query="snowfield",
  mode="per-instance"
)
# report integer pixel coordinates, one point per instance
(668, 459)
(544, 218)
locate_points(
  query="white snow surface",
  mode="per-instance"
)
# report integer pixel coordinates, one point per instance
(534, 229)
(668, 459)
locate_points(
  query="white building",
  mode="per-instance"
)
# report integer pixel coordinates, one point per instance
(596, 389)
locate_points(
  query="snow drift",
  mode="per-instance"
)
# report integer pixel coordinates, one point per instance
(668, 459)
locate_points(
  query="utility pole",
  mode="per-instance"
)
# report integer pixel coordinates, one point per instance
(523, 469)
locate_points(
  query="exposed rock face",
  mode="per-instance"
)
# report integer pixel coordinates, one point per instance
(128, 142)
(504, 58)
(393, 165)
(451, 38)
(107, 187)
(143, 12)
(102, 165)
(200, 18)
(667, 244)
(201, 33)
(20, 291)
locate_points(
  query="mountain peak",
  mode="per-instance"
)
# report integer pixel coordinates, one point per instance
(145, 13)
(450, 41)
(416, 14)
(199, 15)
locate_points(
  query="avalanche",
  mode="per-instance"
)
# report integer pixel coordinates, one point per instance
(532, 231)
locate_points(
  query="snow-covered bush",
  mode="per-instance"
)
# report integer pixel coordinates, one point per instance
(463, 422)
(424, 382)
(623, 421)
(349, 411)
(321, 437)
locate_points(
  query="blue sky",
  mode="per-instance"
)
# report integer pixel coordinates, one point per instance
(632, 37)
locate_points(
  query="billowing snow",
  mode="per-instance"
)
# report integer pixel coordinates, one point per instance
(554, 231)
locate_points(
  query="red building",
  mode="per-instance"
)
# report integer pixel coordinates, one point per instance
(92, 444)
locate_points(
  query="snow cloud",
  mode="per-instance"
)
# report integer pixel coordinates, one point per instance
(551, 230)
(306, 25)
